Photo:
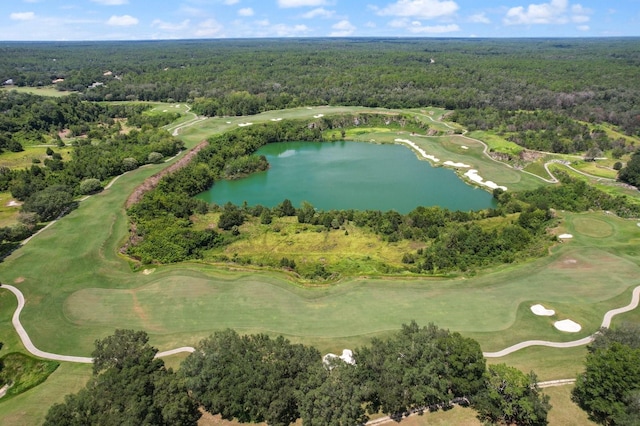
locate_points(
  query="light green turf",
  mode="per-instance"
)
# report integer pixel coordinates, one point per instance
(79, 289)
(41, 91)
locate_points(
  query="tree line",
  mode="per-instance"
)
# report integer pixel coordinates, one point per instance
(591, 80)
(256, 378)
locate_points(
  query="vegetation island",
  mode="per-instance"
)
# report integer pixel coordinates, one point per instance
(133, 292)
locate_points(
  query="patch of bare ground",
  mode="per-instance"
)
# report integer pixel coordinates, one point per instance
(19, 280)
(151, 182)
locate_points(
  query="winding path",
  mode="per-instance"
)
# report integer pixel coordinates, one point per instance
(28, 344)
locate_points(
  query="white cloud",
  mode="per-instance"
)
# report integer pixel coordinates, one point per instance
(418, 28)
(122, 21)
(209, 28)
(170, 26)
(343, 28)
(246, 11)
(553, 12)
(111, 2)
(479, 18)
(282, 30)
(319, 13)
(301, 3)
(22, 16)
(423, 9)
(231, 2)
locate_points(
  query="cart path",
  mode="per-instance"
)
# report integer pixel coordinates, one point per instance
(28, 344)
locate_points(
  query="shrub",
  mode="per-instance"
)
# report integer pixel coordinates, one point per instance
(90, 186)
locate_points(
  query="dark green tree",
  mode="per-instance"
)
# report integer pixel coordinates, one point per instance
(231, 216)
(129, 387)
(250, 378)
(420, 367)
(511, 398)
(608, 390)
(336, 396)
(631, 172)
(49, 203)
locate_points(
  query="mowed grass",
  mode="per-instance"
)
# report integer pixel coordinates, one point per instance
(79, 289)
(41, 91)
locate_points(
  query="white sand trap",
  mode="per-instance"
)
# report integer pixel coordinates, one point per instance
(542, 311)
(420, 150)
(165, 110)
(148, 271)
(13, 203)
(568, 326)
(475, 177)
(318, 116)
(228, 122)
(276, 119)
(452, 164)
(565, 236)
(464, 147)
(347, 356)
(244, 124)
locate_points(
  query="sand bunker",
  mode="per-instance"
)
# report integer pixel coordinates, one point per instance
(452, 164)
(318, 116)
(420, 150)
(568, 326)
(244, 124)
(464, 147)
(475, 177)
(13, 203)
(565, 236)
(148, 271)
(276, 119)
(347, 356)
(542, 311)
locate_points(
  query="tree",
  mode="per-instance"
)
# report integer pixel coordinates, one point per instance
(49, 203)
(609, 388)
(89, 186)
(336, 397)
(285, 208)
(231, 216)
(306, 212)
(631, 173)
(129, 386)
(511, 397)
(250, 378)
(420, 367)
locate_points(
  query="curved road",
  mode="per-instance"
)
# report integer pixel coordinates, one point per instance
(28, 344)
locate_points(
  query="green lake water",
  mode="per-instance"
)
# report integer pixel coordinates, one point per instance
(349, 175)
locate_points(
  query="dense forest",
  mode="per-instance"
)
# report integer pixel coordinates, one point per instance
(592, 80)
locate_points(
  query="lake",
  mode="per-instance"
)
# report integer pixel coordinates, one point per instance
(349, 175)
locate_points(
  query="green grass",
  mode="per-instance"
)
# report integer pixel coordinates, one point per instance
(30, 408)
(24, 159)
(41, 91)
(497, 143)
(78, 288)
(22, 372)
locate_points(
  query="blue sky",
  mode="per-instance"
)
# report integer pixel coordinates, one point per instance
(179, 19)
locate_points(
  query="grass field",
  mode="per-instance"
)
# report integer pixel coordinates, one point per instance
(41, 91)
(78, 288)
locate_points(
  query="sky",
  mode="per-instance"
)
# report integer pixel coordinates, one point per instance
(33, 20)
